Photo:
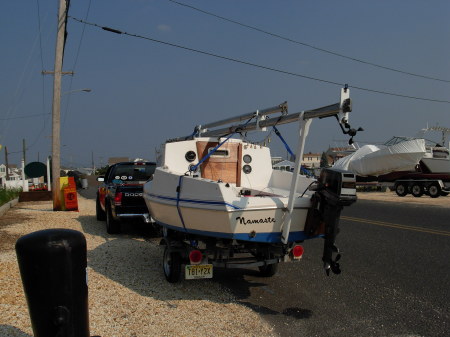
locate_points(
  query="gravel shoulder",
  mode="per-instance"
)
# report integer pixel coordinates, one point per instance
(128, 295)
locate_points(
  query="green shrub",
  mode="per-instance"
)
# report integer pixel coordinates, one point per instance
(8, 194)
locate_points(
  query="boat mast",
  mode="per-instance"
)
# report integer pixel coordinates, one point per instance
(326, 111)
(340, 110)
(278, 108)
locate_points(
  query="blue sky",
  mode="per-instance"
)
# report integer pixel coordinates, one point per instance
(145, 92)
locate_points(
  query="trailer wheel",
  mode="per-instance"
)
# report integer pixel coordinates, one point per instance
(401, 189)
(99, 212)
(171, 265)
(269, 270)
(112, 225)
(417, 190)
(434, 190)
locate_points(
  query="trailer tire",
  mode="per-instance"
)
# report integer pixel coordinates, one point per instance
(171, 265)
(112, 225)
(99, 212)
(417, 190)
(401, 189)
(268, 270)
(434, 190)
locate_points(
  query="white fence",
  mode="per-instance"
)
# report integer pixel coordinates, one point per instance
(9, 184)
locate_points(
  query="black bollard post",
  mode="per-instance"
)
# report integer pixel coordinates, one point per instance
(53, 265)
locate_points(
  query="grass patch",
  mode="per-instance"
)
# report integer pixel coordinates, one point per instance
(8, 194)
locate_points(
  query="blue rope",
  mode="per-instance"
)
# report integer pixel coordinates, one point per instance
(195, 167)
(302, 168)
(193, 134)
(178, 201)
(284, 142)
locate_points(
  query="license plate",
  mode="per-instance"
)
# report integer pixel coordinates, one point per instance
(195, 271)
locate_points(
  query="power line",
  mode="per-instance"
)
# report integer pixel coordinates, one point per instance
(27, 116)
(40, 32)
(19, 91)
(116, 31)
(66, 111)
(42, 64)
(308, 45)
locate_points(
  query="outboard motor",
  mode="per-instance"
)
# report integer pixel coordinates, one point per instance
(334, 190)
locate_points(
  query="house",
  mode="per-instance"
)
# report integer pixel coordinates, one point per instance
(336, 153)
(284, 165)
(14, 173)
(276, 160)
(311, 160)
(2, 170)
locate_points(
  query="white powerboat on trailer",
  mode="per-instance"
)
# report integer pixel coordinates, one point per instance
(372, 160)
(435, 158)
(221, 204)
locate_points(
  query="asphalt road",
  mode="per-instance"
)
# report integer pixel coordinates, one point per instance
(395, 277)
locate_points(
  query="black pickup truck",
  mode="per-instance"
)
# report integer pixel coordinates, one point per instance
(119, 196)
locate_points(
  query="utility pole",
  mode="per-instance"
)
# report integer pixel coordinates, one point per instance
(24, 150)
(6, 163)
(24, 161)
(56, 109)
(93, 165)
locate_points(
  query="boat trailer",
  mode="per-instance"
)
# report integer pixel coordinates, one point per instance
(332, 191)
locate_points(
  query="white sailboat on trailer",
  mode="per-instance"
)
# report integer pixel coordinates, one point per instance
(217, 197)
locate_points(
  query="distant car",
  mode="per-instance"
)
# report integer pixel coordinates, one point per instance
(37, 187)
(120, 194)
(76, 177)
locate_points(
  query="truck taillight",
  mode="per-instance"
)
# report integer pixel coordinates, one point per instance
(118, 199)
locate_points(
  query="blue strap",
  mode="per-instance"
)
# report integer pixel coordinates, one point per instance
(284, 142)
(302, 168)
(178, 201)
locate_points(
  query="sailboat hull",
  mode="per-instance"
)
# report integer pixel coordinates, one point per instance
(208, 218)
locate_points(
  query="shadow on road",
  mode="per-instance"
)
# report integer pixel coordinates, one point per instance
(242, 284)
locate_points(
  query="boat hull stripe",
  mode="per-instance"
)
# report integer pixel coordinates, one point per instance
(204, 202)
(270, 237)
